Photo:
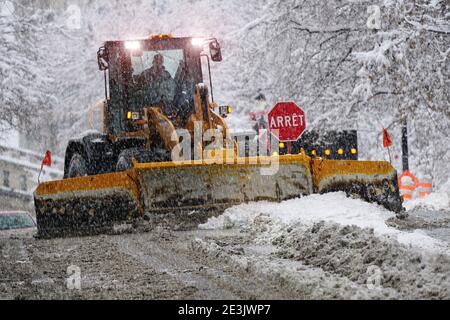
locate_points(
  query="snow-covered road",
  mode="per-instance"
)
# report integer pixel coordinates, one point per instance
(317, 247)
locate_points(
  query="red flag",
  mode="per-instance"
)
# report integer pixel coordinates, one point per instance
(47, 161)
(387, 141)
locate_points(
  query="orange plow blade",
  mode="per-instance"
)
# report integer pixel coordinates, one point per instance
(189, 193)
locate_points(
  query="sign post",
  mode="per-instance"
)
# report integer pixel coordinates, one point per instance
(405, 160)
(287, 122)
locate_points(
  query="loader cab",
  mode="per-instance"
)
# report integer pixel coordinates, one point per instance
(159, 71)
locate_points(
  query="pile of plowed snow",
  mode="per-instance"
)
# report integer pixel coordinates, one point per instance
(364, 258)
(437, 201)
(331, 207)
(347, 238)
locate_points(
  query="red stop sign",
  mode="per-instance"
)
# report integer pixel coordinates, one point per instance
(287, 121)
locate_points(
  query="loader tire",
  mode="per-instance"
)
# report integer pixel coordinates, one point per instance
(124, 161)
(77, 166)
(159, 155)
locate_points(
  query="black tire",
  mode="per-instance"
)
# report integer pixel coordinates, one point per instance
(77, 166)
(158, 155)
(124, 161)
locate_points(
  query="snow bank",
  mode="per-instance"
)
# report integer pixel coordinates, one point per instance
(331, 207)
(291, 274)
(435, 201)
(362, 257)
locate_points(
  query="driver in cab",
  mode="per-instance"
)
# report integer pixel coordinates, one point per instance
(157, 72)
(160, 83)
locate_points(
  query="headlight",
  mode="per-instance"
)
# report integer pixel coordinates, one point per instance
(132, 45)
(198, 42)
(281, 145)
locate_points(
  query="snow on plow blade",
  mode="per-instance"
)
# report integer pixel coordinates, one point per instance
(187, 194)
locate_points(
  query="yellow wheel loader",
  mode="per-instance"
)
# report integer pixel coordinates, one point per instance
(166, 152)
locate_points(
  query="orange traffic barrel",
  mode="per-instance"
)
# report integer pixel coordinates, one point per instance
(425, 189)
(407, 183)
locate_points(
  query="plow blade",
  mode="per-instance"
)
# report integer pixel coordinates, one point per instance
(185, 195)
(181, 194)
(373, 181)
(85, 205)
(188, 194)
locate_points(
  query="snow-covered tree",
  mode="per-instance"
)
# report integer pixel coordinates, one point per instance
(22, 91)
(349, 71)
(26, 100)
(409, 65)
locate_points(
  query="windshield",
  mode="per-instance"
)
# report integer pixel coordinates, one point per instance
(155, 73)
(20, 220)
(160, 74)
(169, 61)
(163, 77)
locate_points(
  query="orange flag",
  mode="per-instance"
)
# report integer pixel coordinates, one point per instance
(47, 161)
(387, 141)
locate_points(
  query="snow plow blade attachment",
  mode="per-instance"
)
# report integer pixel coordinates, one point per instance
(184, 195)
(372, 181)
(85, 205)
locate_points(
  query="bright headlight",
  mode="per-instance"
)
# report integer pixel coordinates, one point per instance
(198, 42)
(132, 45)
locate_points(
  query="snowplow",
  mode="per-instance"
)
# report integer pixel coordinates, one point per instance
(166, 153)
